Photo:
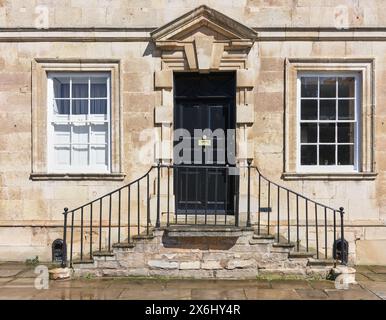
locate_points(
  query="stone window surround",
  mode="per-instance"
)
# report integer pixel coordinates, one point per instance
(40, 69)
(365, 67)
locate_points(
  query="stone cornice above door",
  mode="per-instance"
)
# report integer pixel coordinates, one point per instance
(204, 40)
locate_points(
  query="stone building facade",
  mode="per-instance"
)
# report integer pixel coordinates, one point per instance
(133, 49)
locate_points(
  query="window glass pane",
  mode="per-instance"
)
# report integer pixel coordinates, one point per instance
(80, 134)
(327, 109)
(326, 155)
(99, 133)
(346, 155)
(62, 134)
(346, 87)
(61, 87)
(308, 132)
(327, 87)
(62, 107)
(80, 155)
(98, 106)
(79, 106)
(62, 155)
(346, 132)
(346, 110)
(327, 132)
(98, 87)
(309, 109)
(99, 154)
(308, 155)
(309, 87)
(80, 87)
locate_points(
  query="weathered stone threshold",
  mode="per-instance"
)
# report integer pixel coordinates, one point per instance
(203, 231)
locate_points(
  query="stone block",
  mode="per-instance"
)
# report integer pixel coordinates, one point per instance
(211, 265)
(108, 264)
(190, 265)
(237, 274)
(164, 79)
(245, 78)
(161, 264)
(163, 115)
(245, 114)
(241, 264)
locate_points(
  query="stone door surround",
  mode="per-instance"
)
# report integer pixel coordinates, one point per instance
(204, 40)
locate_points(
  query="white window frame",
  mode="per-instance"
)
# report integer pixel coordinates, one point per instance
(357, 126)
(51, 165)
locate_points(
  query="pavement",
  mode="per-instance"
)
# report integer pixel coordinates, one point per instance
(19, 281)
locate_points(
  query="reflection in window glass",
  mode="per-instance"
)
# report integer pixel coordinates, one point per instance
(309, 87)
(80, 122)
(327, 120)
(327, 87)
(309, 110)
(308, 155)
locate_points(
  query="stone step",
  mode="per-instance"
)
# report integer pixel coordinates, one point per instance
(83, 261)
(124, 245)
(203, 231)
(283, 245)
(264, 236)
(260, 241)
(321, 262)
(143, 236)
(300, 255)
(103, 254)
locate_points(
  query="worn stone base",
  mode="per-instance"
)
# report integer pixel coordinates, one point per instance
(240, 257)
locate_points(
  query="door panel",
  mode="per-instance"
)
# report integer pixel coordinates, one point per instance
(203, 185)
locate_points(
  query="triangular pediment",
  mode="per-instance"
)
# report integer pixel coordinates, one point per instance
(203, 21)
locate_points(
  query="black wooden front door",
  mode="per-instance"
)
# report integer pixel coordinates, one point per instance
(204, 109)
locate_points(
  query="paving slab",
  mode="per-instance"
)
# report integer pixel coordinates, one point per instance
(322, 284)
(17, 294)
(6, 273)
(171, 294)
(312, 294)
(210, 294)
(271, 294)
(378, 269)
(3, 281)
(361, 277)
(290, 284)
(217, 284)
(79, 294)
(378, 288)
(349, 294)
(137, 284)
(361, 269)
(83, 283)
(376, 276)
(21, 283)
(28, 273)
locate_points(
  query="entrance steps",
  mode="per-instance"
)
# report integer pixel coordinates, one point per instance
(223, 252)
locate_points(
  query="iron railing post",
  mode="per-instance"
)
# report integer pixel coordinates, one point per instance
(237, 213)
(64, 249)
(342, 252)
(249, 161)
(158, 224)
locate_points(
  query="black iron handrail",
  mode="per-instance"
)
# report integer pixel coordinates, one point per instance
(288, 193)
(99, 201)
(133, 193)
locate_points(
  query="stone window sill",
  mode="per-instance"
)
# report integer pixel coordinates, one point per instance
(329, 176)
(77, 176)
